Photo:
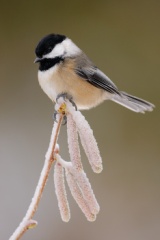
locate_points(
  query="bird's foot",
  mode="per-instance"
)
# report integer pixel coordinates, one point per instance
(68, 97)
(62, 108)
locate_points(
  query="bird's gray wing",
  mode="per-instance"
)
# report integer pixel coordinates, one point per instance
(94, 76)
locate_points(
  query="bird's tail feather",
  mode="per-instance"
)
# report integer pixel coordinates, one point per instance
(133, 103)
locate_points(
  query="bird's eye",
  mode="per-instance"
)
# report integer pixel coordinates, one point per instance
(48, 50)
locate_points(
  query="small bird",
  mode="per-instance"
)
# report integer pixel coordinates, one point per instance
(65, 69)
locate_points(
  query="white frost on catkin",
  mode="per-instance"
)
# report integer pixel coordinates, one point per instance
(87, 139)
(61, 192)
(79, 197)
(85, 186)
(73, 144)
(77, 180)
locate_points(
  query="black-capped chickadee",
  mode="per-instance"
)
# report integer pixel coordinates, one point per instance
(64, 68)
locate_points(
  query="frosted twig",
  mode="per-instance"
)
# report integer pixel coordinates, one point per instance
(27, 221)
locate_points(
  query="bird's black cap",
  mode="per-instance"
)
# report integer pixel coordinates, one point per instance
(47, 43)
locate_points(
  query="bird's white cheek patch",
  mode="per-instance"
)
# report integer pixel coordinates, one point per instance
(70, 47)
(58, 50)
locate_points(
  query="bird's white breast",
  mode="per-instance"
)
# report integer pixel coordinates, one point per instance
(49, 82)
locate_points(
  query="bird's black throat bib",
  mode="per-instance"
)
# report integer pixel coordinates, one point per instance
(47, 63)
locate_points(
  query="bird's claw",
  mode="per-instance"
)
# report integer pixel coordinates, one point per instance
(55, 117)
(64, 120)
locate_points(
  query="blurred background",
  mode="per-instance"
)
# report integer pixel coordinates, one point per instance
(123, 40)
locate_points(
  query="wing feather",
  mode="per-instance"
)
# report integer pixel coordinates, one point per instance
(86, 70)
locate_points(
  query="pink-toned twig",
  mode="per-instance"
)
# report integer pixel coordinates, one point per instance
(27, 221)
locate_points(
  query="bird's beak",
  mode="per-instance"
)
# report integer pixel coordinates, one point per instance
(37, 60)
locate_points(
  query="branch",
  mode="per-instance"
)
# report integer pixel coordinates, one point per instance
(27, 221)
